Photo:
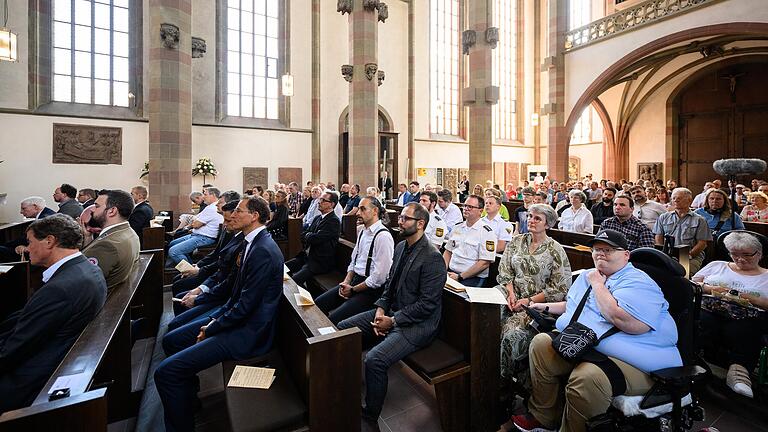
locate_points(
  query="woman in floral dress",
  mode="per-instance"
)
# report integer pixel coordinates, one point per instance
(534, 268)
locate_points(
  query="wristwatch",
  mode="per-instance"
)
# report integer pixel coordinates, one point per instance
(459, 278)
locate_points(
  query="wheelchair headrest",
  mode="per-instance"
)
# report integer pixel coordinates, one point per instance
(657, 259)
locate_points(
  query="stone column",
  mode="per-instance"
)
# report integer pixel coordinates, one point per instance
(316, 74)
(480, 89)
(363, 93)
(557, 145)
(170, 104)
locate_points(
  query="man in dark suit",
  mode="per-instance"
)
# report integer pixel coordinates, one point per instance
(385, 185)
(142, 212)
(319, 242)
(86, 197)
(32, 207)
(242, 328)
(408, 312)
(215, 287)
(65, 195)
(34, 340)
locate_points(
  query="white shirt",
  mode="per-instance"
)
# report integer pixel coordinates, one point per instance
(576, 220)
(249, 239)
(211, 219)
(400, 199)
(312, 211)
(436, 230)
(338, 210)
(48, 273)
(718, 273)
(649, 212)
(381, 261)
(451, 215)
(501, 228)
(470, 244)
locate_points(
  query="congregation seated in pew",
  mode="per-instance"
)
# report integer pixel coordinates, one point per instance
(470, 248)
(35, 339)
(368, 270)
(577, 217)
(684, 227)
(623, 221)
(31, 207)
(205, 229)
(318, 240)
(436, 230)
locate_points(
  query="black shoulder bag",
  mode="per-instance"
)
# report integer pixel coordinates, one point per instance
(577, 340)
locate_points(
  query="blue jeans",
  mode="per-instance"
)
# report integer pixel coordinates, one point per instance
(182, 247)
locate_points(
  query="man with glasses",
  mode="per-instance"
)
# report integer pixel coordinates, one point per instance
(521, 213)
(86, 197)
(471, 246)
(682, 227)
(407, 314)
(313, 209)
(618, 296)
(205, 230)
(319, 241)
(436, 228)
(116, 248)
(368, 269)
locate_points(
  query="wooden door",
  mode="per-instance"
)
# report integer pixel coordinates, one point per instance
(722, 115)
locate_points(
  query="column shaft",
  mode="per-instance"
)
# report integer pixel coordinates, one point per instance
(480, 79)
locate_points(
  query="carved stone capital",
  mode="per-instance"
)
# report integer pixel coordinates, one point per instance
(492, 36)
(344, 6)
(383, 11)
(198, 47)
(711, 50)
(170, 34)
(346, 72)
(380, 75)
(468, 40)
(370, 70)
(370, 5)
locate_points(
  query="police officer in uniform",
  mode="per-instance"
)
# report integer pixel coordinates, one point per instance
(493, 219)
(471, 246)
(436, 228)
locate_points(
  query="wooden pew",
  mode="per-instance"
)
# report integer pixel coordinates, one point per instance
(512, 206)
(16, 288)
(13, 230)
(318, 376)
(153, 238)
(319, 284)
(467, 353)
(569, 238)
(292, 245)
(101, 356)
(349, 228)
(758, 227)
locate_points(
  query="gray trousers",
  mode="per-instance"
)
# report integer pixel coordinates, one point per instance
(386, 351)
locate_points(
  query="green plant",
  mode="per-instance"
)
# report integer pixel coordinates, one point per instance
(204, 167)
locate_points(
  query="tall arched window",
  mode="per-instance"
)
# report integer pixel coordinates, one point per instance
(444, 36)
(90, 52)
(505, 71)
(588, 129)
(579, 13)
(254, 54)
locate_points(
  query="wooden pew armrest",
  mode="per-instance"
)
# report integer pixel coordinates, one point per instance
(74, 411)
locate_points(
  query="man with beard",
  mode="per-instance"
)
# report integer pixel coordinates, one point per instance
(646, 211)
(65, 195)
(604, 209)
(407, 315)
(116, 248)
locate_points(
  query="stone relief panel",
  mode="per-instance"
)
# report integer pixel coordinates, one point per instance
(286, 175)
(650, 170)
(78, 144)
(450, 179)
(512, 173)
(253, 176)
(574, 168)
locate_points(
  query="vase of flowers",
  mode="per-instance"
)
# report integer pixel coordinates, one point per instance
(204, 167)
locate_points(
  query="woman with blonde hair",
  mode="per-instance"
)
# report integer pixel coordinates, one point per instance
(758, 210)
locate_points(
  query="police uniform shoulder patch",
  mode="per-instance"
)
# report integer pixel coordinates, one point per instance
(487, 228)
(490, 246)
(439, 232)
(93, 261)
(509, 230)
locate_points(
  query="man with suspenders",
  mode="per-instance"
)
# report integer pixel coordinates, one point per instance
(368, 269)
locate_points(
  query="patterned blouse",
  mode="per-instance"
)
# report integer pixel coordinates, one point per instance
(754, 214)
(547, 270)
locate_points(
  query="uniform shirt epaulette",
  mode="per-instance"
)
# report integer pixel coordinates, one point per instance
(487, 228)
(459, 223)
(437, 217)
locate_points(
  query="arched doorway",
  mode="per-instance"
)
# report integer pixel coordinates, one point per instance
(387, 151)
(721, 113)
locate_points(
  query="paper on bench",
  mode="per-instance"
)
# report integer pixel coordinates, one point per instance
(252, 377)
(303, 297)
(285, 273)
(184, 266)
(486, 295)
(5, 269)
(75, 381)
(326, 330)
(454, 285)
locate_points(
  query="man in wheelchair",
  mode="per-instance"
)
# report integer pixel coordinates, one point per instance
(575, 379)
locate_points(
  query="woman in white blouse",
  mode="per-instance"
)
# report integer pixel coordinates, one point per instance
(576, 218)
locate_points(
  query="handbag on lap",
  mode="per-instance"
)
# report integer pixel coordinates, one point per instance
(578, 341)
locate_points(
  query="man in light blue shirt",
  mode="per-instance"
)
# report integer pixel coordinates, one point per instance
(312, 211)
(618, 295)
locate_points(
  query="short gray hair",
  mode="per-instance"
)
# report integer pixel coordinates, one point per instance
(578, 193)
(682, 190)
(742, 240)
(550, 215)
(195, 194)
(36, 201)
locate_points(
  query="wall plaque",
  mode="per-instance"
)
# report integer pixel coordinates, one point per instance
(78, 144)
(253, 177)
(286, 175)
(650, 170)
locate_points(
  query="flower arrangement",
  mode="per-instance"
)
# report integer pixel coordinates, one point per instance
(145, 171)
(205, 168)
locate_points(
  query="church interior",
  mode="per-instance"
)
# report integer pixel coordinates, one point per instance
(358, 109)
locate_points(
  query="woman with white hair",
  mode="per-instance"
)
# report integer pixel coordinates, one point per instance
(740, 334)
(577, 218)
(534, 268)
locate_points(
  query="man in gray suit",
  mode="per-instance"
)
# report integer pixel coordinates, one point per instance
(34, 340)
(65, 195)
(408, 313)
